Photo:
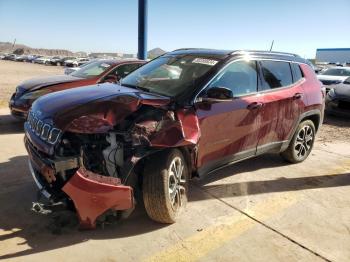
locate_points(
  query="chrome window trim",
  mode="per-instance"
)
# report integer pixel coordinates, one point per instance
(251, 59)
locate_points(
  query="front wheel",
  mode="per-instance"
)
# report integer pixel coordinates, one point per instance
(165, 186)
(302, 143)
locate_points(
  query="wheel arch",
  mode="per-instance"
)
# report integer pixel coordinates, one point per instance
(314, 115)
(188, 153)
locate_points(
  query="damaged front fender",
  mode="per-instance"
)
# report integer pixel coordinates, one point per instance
(182, 131)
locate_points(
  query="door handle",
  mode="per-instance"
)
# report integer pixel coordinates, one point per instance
(297, 96)
(255, 105)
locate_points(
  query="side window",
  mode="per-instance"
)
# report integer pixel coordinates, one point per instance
(297, 73)
(241, 77)
(123, 70)
(276, 74)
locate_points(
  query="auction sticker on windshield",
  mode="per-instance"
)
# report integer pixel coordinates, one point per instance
(105, 65)
(204, 61)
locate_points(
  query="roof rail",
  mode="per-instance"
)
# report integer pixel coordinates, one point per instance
(187, 48)
(264, 52)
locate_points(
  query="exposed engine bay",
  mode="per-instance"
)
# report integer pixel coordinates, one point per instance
(106, 153)
(104, 157)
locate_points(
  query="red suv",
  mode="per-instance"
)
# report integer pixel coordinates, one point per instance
(187, 113)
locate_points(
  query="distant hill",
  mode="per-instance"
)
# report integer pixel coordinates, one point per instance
(155, 52)
(19, 49)
(6, 47)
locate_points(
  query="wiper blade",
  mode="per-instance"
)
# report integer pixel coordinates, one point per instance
(136, 87)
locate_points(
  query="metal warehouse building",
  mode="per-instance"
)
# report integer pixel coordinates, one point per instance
(333, 55)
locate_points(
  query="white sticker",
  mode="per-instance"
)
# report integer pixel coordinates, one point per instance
(105, 65)
(204, 61)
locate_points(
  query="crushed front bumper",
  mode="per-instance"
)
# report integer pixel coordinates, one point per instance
(91, 193)
(94, 194)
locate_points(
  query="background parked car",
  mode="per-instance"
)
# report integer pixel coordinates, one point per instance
(76, 62)
(94, 73)
(338, 99)
(69, 70)
(55, 60)
(333, 76)
(42, 60)
(61, 60)
(30, 58)
(11, 57)
(21, 58)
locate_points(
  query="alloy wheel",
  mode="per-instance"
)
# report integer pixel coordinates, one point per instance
(177, 181)
(303, 142)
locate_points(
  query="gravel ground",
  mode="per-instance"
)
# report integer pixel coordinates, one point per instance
(334, 129)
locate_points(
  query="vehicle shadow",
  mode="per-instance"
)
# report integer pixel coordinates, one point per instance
(10, 125)
(283, 184)
(18, 221)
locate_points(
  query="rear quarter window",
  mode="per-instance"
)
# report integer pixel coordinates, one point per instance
(297, 73)
(276, 74)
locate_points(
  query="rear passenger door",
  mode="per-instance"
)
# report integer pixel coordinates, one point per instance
(282, 96)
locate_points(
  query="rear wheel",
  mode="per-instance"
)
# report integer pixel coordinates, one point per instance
(165, 186)
(301, 144)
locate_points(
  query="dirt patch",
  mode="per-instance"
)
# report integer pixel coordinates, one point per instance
(334, 129)
(13, 73)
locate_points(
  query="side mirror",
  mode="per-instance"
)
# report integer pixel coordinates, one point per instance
(110, 79)
(217, 94)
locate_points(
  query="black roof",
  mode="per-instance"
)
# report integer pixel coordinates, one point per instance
(239, 53)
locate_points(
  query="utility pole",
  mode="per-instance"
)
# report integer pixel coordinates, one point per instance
(142, 33)
(273, 41)
(13, 45)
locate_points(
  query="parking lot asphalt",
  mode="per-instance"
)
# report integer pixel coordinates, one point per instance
(262, 209)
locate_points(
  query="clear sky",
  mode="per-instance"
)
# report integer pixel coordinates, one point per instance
(298, 26)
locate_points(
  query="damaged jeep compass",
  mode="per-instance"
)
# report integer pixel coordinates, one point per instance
(186, 113)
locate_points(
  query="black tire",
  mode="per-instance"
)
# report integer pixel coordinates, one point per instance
(157, 183)
(301, 144)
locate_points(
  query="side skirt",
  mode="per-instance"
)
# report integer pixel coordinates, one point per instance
(275, 147)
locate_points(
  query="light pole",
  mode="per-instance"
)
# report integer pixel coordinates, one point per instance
(142, 33)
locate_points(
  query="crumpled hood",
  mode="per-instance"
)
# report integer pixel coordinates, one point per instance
(38, 82)
(110, 101)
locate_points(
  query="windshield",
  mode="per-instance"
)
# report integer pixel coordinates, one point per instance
(92, 70)
(170, 75)
(337, 72)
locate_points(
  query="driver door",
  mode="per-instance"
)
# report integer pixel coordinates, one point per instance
(229, 128)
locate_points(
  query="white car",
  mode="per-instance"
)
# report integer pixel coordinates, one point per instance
(69, 70)
(76, 62)
(333, 76)
(42, 60)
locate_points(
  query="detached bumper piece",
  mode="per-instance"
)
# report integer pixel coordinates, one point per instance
(94, 194)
